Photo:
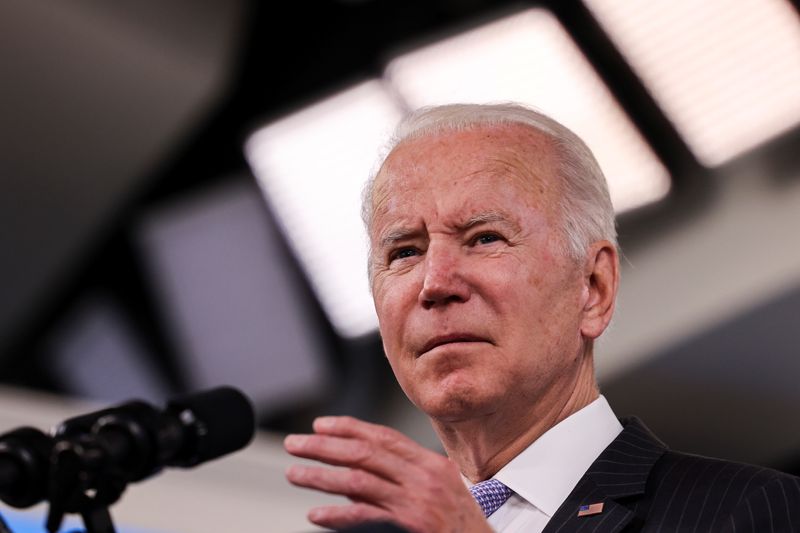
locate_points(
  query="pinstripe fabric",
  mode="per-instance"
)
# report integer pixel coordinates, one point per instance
(647, 488)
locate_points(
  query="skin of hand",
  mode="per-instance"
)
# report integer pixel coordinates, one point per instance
(387, 477)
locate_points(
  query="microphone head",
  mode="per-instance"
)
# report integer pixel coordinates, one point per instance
(24, 466)
(216, 422)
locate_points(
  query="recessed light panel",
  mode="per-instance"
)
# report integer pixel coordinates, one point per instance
(726, 72)
(229, 311)
(530, 58)
(312, 166)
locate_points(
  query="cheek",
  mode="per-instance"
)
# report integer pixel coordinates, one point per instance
(540, 302)
(393, 299)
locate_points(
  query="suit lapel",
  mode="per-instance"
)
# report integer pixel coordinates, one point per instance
(621, 471)
(613, 517)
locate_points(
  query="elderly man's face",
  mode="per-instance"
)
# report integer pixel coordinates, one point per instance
(479, 307)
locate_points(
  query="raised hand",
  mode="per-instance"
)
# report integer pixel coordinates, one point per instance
(386, 476)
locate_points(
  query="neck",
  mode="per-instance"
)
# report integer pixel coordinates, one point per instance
(481, 446)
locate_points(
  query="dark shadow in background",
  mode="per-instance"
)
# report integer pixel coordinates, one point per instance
(746, 367)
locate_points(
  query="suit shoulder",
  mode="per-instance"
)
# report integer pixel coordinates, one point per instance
(713, 472)
(717, 493)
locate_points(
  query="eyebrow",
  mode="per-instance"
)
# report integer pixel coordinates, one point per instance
(490, 217)
(400, 234)
(485, 218)
(396, 235)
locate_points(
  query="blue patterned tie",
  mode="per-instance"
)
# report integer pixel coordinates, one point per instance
(490, 495)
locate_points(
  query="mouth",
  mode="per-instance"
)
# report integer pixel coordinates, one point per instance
(449, 339)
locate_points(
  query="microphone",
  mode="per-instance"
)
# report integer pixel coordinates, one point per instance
(24, 462)
(122, 444)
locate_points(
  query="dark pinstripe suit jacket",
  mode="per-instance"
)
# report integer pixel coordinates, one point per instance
(646, 487)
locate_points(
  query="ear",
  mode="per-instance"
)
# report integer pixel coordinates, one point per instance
(601, 280)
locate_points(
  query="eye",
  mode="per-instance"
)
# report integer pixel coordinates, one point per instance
(486, 238)
(403, 253)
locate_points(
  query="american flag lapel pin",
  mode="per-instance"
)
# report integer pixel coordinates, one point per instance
(590, 509)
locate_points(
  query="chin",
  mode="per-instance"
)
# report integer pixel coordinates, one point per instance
(451, 404)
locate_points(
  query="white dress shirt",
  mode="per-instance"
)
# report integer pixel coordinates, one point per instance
(544, 474)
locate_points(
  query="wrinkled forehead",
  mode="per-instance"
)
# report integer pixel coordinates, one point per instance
(509, 151)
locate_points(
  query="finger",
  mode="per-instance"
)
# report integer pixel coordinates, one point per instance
(353, 453)
(382, 437)
(339, 517)
(388, 438)
(348, 426)
(355, 484)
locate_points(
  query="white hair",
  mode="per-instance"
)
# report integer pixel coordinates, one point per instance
(586, 212)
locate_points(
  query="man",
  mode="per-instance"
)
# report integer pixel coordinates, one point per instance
(493, 268)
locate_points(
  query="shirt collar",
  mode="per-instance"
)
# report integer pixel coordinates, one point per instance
(546, 471)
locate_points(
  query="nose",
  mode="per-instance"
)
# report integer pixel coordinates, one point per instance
(443, 282)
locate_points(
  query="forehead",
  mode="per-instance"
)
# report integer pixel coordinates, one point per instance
(513, 155)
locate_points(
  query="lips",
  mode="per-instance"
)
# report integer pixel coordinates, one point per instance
(450, 339)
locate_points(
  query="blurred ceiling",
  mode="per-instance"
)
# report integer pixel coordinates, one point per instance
(125, 121)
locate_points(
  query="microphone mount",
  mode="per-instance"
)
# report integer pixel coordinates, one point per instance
(88, 461)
